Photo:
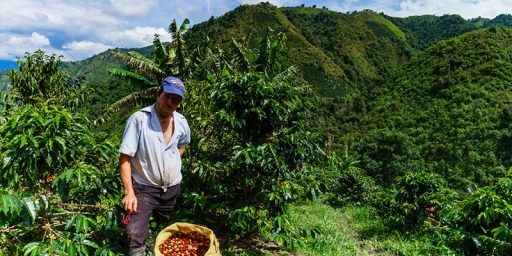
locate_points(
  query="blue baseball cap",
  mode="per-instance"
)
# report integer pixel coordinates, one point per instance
(173, 85)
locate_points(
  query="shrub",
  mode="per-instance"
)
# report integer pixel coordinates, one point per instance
(482, 223)
(354, 186)
(253, 153)
(414, 198)
(386, 154)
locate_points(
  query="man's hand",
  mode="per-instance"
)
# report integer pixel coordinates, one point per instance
(130, 202)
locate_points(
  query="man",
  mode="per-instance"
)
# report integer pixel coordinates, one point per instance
(154, 140)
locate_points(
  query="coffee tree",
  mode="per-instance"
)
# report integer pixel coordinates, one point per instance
(58, 189)
(253, 153)
(41, 79)
(482, 223)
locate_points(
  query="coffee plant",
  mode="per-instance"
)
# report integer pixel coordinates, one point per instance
(59, 186)
(482, 223)
(253, 153)
(386, 154)
(350, 184)
(414, 200)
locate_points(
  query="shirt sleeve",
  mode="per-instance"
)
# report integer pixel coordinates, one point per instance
(185, 139)
(131, 135)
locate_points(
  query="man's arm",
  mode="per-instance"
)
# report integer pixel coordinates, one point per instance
(182, 151)
(129, 200)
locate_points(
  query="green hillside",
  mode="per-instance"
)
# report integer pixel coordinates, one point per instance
(247, 25)
(500, 20)
(423, 31)
(332, 50)
(364, 44)
(343, 56)
(454, 102)
(107, 89)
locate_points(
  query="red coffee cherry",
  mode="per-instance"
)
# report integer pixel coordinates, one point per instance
(185, 244)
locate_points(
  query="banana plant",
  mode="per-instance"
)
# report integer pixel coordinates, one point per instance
(146, 73)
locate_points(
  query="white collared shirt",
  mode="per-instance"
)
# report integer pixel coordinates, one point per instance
(154, 163)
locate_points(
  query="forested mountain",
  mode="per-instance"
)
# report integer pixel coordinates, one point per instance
(333, 51)
(330, 48)
(346, 57)
(454, 102)
(500, 20)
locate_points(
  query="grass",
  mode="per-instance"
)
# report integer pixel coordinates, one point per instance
(347, 231)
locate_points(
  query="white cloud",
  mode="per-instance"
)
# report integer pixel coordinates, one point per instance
(135, 37)
(273, 2)
(465, 8)
(133, 7)
(59, 15)
(195, 10)
(16, 45)
(83, 49)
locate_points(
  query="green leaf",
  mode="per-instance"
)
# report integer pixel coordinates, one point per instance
(141, 63)
(61, 141)
(6, 204)
(79, 223)
(23, 140)
(127, 74)
(30, 205)
(90, 243)
(70, 222)
(71, 250)
(30, 248)
(46, 202)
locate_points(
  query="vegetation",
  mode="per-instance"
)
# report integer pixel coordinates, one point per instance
(323, 134)
(452, 102)
(424, 31)
(59, 193)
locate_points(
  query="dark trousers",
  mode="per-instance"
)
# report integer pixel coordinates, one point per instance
(150, 200)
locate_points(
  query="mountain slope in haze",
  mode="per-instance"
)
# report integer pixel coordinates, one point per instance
(500, 20)
(455, 102)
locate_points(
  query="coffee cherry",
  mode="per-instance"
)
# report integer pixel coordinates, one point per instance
(185, 244)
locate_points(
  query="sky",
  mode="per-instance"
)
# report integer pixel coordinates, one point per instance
(78, 29)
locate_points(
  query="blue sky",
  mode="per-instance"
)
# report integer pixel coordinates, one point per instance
(78, 29)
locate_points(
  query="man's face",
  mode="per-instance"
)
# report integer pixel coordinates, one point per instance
(167, 103)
